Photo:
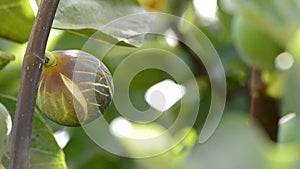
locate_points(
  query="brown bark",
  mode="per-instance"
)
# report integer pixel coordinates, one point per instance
(264, 109)
(31, 71)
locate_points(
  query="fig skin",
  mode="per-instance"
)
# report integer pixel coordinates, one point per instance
(254, 45)
(75, 87)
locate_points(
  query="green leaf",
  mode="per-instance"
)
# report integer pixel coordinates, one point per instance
(44, 152)
(16, 20)
(278, 18)
(98, 18)
(5, 128)
(5, 58)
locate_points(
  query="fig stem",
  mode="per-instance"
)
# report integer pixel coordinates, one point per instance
(50, 59)
(31, 71)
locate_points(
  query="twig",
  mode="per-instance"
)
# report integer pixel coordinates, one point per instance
(264, 109)
(31, 71)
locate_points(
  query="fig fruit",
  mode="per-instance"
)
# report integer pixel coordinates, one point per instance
(75, 87)
(256, 47)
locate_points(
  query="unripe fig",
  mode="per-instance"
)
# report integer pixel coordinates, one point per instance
(75, 87)
(253, 44)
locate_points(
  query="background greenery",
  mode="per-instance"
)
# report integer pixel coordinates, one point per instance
(237, 143)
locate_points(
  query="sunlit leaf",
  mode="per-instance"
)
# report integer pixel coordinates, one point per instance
(149, 139)
(44, 152)
(16, 20)
(184, 147)
(99, 19)
(10, 75)
(145, 140)
(283, 156)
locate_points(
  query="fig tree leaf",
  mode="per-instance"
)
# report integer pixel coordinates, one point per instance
(278, 18)
(5, 128)
(5, 58)
(16, 20)
(101, 18)
(44, 151)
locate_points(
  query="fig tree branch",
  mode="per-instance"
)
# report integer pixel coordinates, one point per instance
(264, 109)
(31, 71)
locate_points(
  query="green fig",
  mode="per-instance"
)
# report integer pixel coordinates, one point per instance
(256, 47)
(75, 87)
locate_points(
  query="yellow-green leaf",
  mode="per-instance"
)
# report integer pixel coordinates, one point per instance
(16, 20)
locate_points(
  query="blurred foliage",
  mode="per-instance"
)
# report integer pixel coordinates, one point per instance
(16, 20)
(236, 144)
(228, 148)
(277, 18)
